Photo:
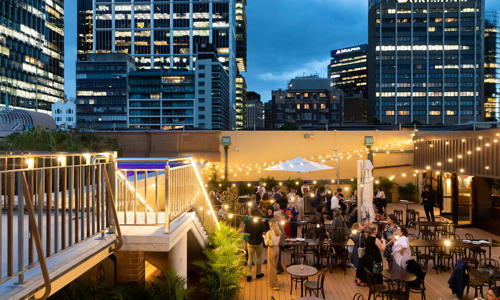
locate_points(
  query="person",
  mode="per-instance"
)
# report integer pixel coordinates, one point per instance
(261, 191)
(264, 203)
(401, 247)
(494, 293)
(372, 259)
(335, 202)
(254, 228)
(358, 239)
(294, 213)
(380, 200)
(272, 241)
(317, 198)
(269, 216)
(341, 198)
(428, 201)
(389, 231)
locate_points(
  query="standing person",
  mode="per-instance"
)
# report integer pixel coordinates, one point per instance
(254, 227)
(334, 204)
(358, 238)
(380, 201)
(401, 247)
(294, 213)
(261, 190)
(317, 198)
(429, 200)
(372, 259)
(388, 233)
(272, 241)
(269, 216)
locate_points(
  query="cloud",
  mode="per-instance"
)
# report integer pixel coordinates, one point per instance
(312, 67)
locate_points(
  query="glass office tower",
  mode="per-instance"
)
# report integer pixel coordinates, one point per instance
(492, 67)
(348, 70)
(31, 53)
(241, 101)
(425, 61)
(162, 34)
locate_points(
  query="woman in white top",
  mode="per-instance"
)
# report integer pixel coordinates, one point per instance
(401, 248)
(272, 241)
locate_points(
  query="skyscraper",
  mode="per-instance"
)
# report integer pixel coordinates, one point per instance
(161, 34)
(425, 61)
(241, 100)
(255, 112)
(348, 70)
(31, 53)
(492, 67)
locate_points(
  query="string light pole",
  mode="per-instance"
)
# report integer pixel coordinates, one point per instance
(226, 141)
(337, 167)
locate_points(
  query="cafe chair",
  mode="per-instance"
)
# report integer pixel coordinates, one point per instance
(317, 286)
(477, 284)
(489, 263)
(425, 256)
(299, 253)
(358, 296)
(444, 256)
(376, 289)
(475, 251)
(296, 279)
(399, 216)
(418, 286)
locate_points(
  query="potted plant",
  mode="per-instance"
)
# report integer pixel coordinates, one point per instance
(386, 185)
(407, 192)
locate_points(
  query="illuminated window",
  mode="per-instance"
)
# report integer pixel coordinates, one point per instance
(450, 112)
(435, 113)
(306, 106)
(306, 95)
(432, 29)
(389, 113)
(298, 106)
(404, 112)
(323, 106)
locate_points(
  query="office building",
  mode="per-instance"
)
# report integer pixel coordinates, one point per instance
(492, 67)
(101, 91)
(348, 70)
(241, 101)
(162, 34)
(254, 112)
(31, 53)
(64, 113)
(180, 99)
(309, 102)
(425, 61)
(268, 115)
(212, 93)
(161, 99)
(241, 35)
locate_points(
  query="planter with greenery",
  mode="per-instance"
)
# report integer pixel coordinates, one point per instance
(387, 186)
(224, 266)
(269, 181)
(407, 192)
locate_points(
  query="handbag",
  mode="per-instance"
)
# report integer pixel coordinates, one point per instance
(361, 250)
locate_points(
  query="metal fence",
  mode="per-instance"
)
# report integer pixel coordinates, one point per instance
(153, 191)
(51, 202)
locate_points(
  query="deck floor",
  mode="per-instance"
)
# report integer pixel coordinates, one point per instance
(340, 286)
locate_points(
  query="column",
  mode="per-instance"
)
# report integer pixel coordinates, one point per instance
(177, 257)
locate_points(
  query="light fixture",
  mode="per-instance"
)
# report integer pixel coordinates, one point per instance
(226, 206)
(61, 160)
(255, 220)
(428, 167)
(447, 243)
(462, 170)
(438, 164)
(450, 160)
(30, 162)
(230, 216)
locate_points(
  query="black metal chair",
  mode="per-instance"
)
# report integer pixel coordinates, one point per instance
(399, 216)
(317, 286)
(376, 289)
(299, 252)
(358, 296)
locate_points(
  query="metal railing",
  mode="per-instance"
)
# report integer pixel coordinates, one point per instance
(153, 191)
(52, 202)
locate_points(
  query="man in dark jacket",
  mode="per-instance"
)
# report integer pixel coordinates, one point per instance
(458, 279)
(255, 229)
(429, 198)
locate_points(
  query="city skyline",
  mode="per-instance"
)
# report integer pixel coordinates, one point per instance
(294, 48)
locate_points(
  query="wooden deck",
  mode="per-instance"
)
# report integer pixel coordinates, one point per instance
(340, 286)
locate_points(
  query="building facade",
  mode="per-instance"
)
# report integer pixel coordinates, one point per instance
(31, 53)
(161, 100)
(241, 35)
(348, 70)
(212, 94)
(254, 112)
(241, 102)
(101, 91)
(309, 102)
(161, 34)
(425, 61)
(492, 67)
(64, 113)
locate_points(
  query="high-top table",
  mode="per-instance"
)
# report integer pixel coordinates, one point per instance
(302, 272)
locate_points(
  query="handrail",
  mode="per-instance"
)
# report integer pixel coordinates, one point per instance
(111, 200)
(38, 242)
(149, 159)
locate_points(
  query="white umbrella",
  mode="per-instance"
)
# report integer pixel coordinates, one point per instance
(367, 207)
(299, 165)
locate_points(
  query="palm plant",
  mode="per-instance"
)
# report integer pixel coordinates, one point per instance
(224, 266)
(169, 286)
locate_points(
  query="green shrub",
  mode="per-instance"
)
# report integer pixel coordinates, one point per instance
(224, 266)
(407, 192)
(168, 286)
(270, 182)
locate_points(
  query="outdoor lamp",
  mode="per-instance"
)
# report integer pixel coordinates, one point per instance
(230, 216)
(226, 206)
(447, 243)
(283, 223)
(354, 232)
(369, 141)
(255, 220)
(30, 162)
(62, 160)
(317, 226)
(249, 204)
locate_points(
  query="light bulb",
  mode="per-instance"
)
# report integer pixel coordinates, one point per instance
(255, 220)
(230, 216)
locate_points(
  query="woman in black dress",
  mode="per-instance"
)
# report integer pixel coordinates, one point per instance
(372, 259)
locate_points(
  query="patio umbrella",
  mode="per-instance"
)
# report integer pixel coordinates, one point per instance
(299, 165)
(367, 206)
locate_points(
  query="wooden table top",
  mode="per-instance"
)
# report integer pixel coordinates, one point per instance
(309, 298)
(302, 270)
(398, 274)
